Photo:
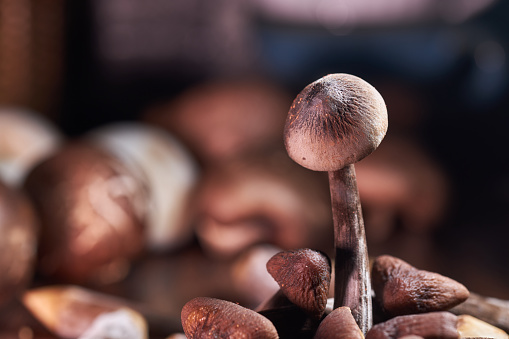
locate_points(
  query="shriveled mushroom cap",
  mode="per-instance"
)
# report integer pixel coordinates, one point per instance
(335, 121)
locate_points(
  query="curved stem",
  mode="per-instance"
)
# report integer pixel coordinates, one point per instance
(352, 281)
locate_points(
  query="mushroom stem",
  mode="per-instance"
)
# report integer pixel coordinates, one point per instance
(352, 281)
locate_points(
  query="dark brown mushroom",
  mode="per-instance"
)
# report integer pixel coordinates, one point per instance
(204, 317)
(304, 277)
(333, 123)
(402, 289)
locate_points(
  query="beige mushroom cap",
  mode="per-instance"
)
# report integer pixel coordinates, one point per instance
(335, 121)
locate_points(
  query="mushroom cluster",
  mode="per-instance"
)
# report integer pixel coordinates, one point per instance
(333, 123)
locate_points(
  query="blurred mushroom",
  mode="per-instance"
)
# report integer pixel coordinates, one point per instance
(249, 275)
(18, 242)
(25, 139)
(167, 170)
(401, 182)
(225, 119)
(262, 199)
(72, 312)
(91, 209)
(106, 198)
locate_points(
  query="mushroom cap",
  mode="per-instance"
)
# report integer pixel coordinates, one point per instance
(335, 121)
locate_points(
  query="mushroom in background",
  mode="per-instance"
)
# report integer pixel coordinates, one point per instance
(405, 197)
(106, 198)
(225, 119)
(264, 199)
(91, 210)
(18, 243)
(168, 171)
(25, 139)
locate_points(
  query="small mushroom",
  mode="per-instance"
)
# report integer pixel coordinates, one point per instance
(402, 289)
(18, 242)
(304, 277)
(441, 325)
(333, 123)
(339, 324)
(204, 317)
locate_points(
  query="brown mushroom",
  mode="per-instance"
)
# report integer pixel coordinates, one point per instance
(224, 119)
(259, 199)
(204, 317)
(402, 289)
(332, 123)
(304, 277)
(91, 209)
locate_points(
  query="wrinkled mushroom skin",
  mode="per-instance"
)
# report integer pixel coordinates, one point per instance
(402, 289)
(214, 318)
(304, 277)
(434, 325)
(335, 121)
(18, 242)
(91, 215)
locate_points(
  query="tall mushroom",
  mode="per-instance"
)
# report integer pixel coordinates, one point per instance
(333, 123)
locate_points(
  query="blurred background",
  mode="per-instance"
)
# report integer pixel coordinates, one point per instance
(219, 78)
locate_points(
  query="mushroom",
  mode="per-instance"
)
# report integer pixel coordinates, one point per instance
(402, 289)
(304, 277)
(471, 327)
(332, 123)
(72, 312)
(167, 170)
(107, 197)
(262, 199)
(204, 317)
(221, 120)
